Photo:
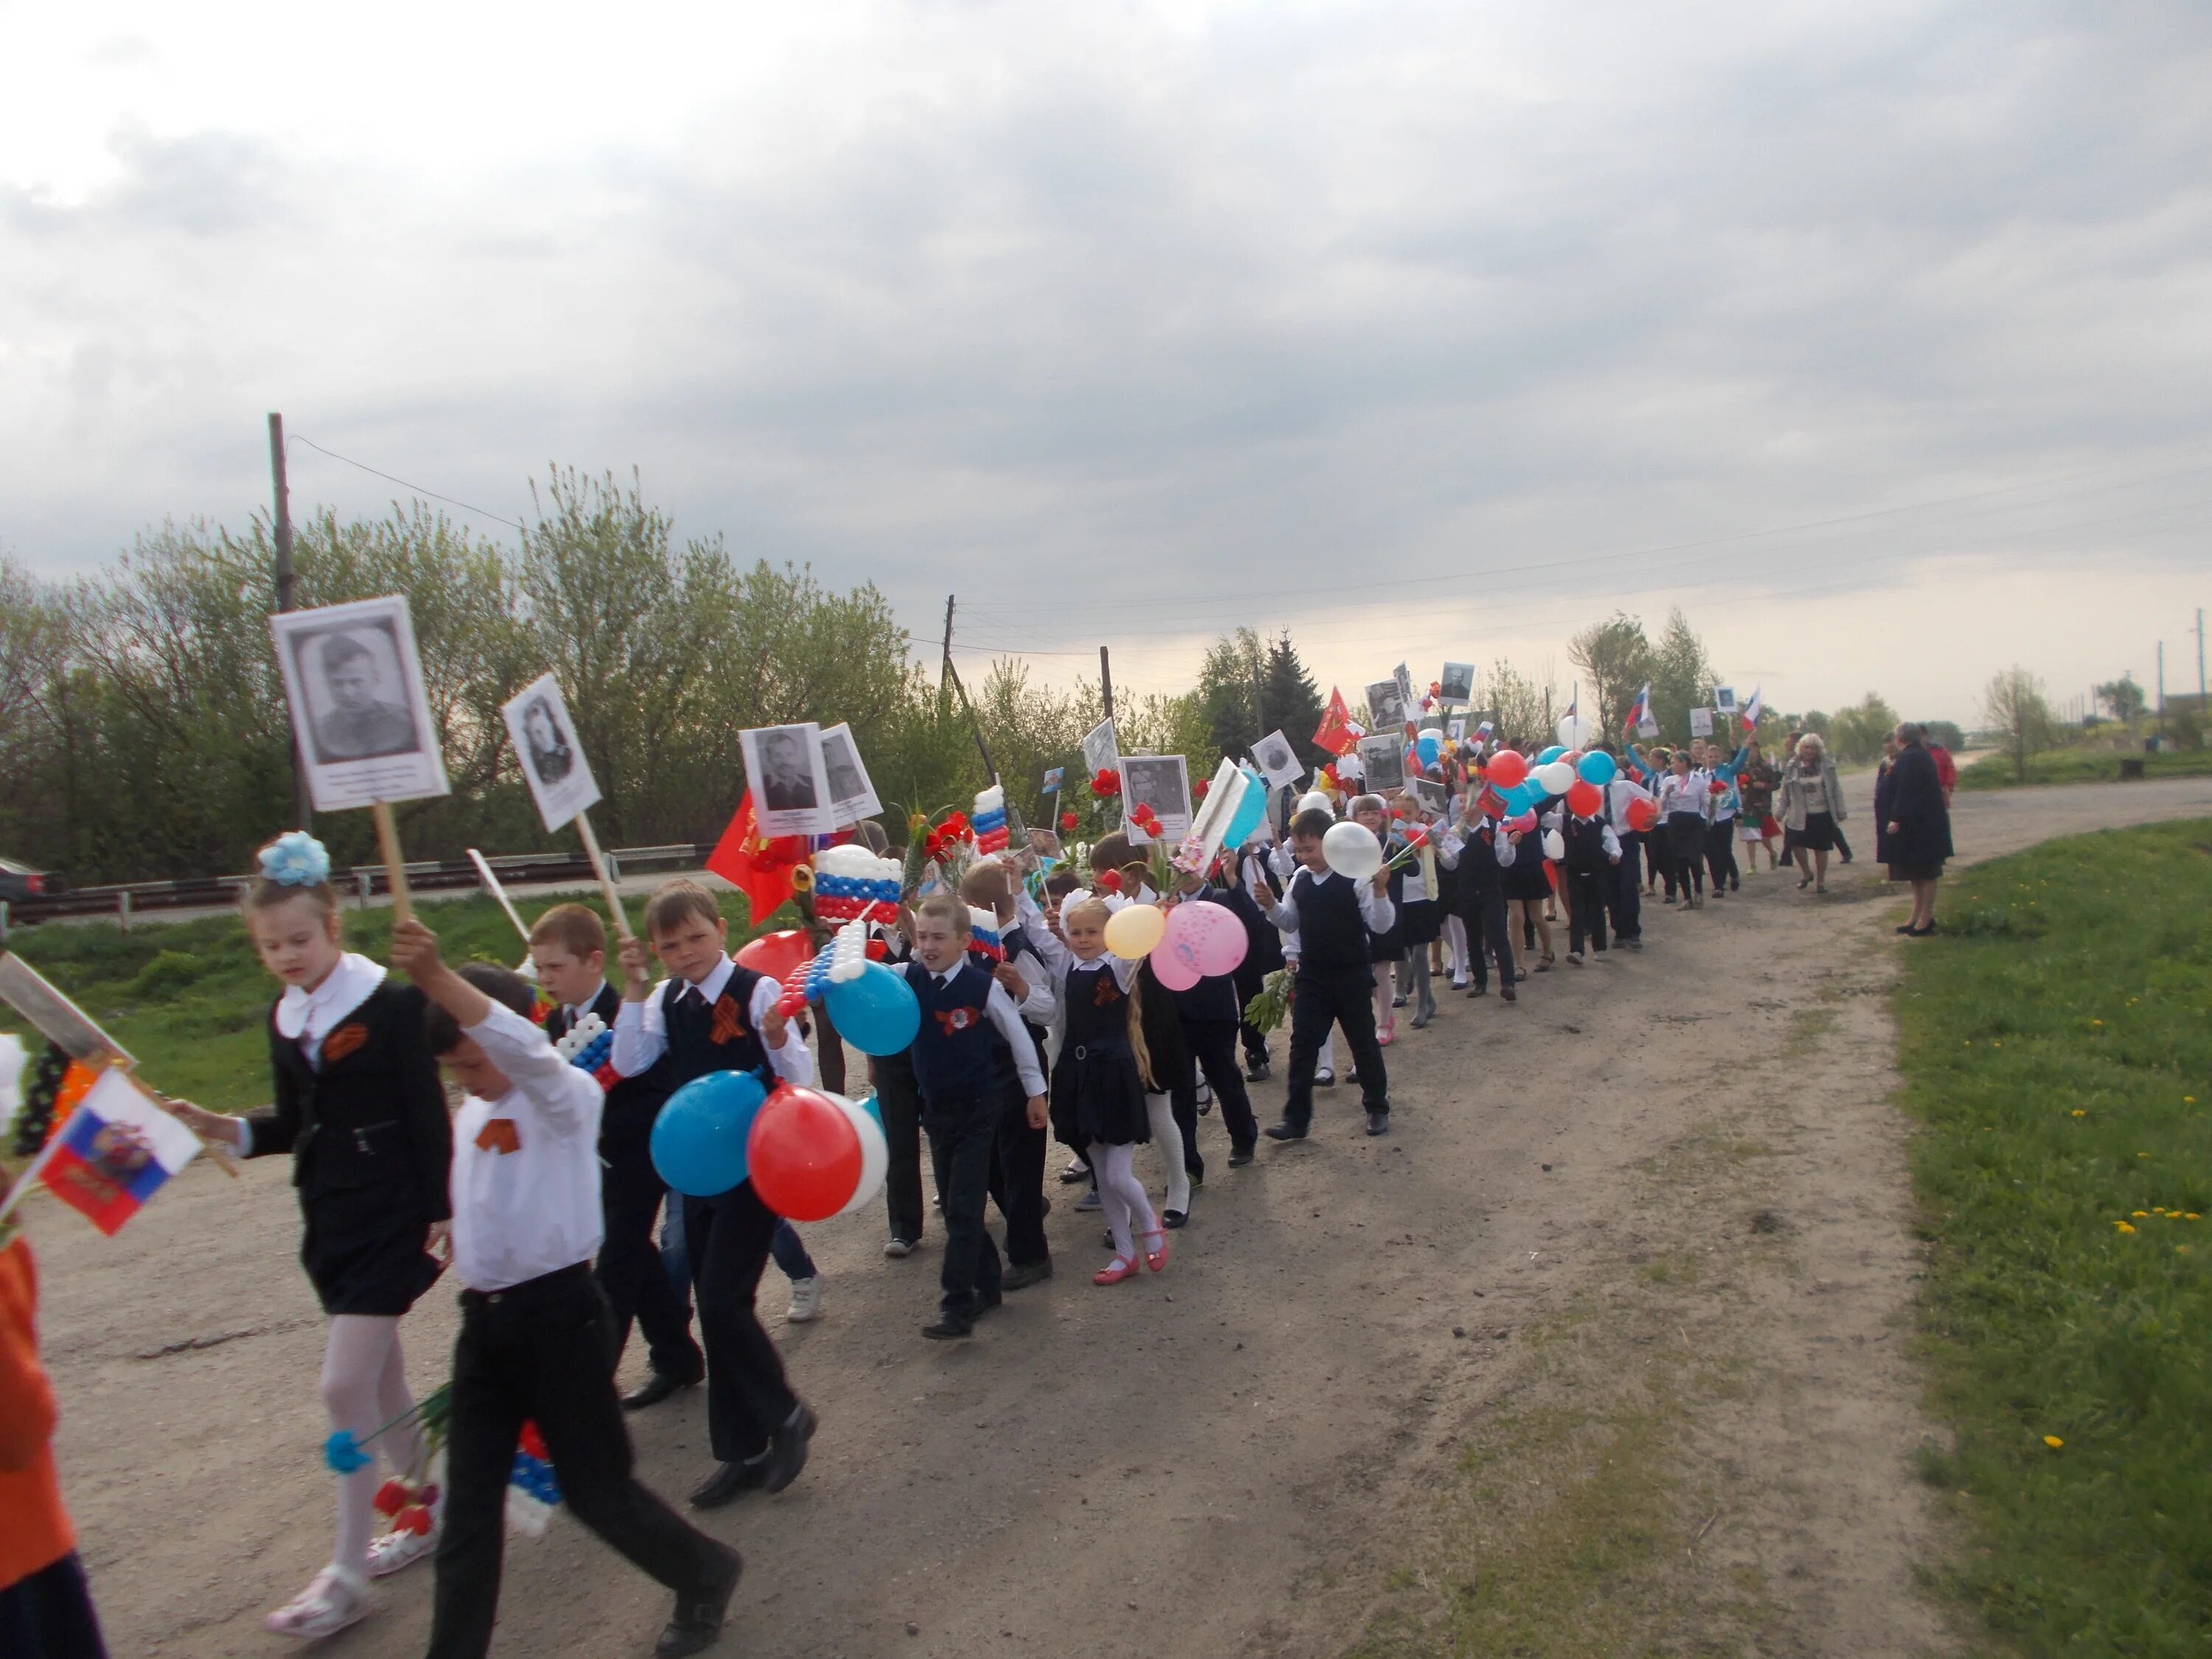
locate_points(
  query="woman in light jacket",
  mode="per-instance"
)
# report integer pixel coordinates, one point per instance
(1812, 806)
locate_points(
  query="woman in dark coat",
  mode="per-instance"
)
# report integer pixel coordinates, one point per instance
(1919, 822)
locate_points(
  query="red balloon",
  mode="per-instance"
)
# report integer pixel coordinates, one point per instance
(1583, 800)
(1642, 815)
(1507, 769)
(776, 954)
(804, 1155)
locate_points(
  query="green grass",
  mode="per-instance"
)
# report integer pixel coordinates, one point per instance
(2057, 1048)
(2082, 766)
(191, 999)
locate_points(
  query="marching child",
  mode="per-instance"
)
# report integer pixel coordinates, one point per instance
(713, 1014)
(568, 949)
(1209, 1013)
(968, 1020)
(1685, 810)
(1385, 944)
(1327, 920)
(359, 1107)
(1099, 1088)
(1590, 851)
(537, 1338)
(1481, 851)
(1420, 918)
(1018, 1163)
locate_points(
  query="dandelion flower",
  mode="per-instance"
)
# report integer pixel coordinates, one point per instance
(2139, 1214)
(2053, 1441)
(2123, 1226)
(2078, 1112)
(2191, 1215)
(2096, 1022)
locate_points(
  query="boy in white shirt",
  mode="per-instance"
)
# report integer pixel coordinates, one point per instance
(537, 1336)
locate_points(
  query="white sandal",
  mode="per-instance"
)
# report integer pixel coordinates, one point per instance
(388, 1554)
(335, 1598)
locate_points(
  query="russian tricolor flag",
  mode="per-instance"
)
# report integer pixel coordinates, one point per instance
(116, 1151)
(1753, 709)
(1640, 710)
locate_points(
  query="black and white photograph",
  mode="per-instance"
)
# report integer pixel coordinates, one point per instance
(852, 796)
(1277, 759)
(1455, 728)
(1701, 722)
(1458, 684)
(1163, 783)
(1386, 707)
(1429, 794)
(1724, 699)
(354, 685)
(1100, 753)
(1382, 762)
(784, 771)
(1407, 700)
(554, 767)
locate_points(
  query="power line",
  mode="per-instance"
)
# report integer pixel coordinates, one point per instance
(450, 500)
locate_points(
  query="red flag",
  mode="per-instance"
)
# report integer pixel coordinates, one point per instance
(760, 869)
(1334, 732)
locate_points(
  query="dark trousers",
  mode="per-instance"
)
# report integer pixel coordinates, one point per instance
(1658, 854)
(963, 1135)
(541, 1353)
(1210, 1045)
(1345, 998)
(48, 1614)
(638, 1285)
(899, 1098)
(1251, 980)
(830, 1051)
(1018, 1179)
(1586, 906)
(1720, 852)
(1685, 848)
(1484, 911)
(1628, 889)
(747, 1398)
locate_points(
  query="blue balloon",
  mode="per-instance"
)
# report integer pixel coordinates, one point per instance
(1551, 754)
(1523, 795)
(699, 1139)
(1251, 811)
(1598, 768)
(877, 1012)
(1429, 748)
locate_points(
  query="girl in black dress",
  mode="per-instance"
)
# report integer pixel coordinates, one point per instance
(360, 1107)
(1097, 1085)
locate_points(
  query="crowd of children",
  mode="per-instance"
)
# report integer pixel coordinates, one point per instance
(541, 1196)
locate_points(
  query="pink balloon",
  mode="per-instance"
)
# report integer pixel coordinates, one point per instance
(1173, 968)
(1201, 941)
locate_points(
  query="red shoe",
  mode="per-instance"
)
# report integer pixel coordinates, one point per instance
(1388, 1035)
(1156, 1259)
(1115, 1272)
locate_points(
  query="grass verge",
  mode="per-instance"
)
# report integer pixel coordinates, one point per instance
(2057, 1050)
(2082, 766)
(191, 998)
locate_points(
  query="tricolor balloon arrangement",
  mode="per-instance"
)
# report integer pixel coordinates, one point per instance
(989, 819)
(589, 1046)
(1557, 773)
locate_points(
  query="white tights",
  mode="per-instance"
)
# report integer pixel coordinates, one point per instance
(364, 1387)
(1456, 946)
(1167, 1140)
(1128, 1211)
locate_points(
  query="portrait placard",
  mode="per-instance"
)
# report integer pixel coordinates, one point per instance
(1278, 760)
(1382, 759)
(1163, 783)
(1100, 753)
(784, 771)
(1701, 722)
(553, 763)
(1458, 684)
(353, 683)
(851, 793)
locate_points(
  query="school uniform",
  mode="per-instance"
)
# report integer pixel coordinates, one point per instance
(1420, 924)
(1333, 920)
(1626, 887)
(1686, 807)
(1018, 1164)
(1720, 833)
(537, 1341)
(1588, 855)
(638, 1287)
(899, 1098)
(967, 1019)
(360, 1107)
(1480, 856)
(714, 1026)
(1097, 1095)
(1209, 1014)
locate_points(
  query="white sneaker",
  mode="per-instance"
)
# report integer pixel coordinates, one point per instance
(333, 1599)
(897, 1249)
(805, 1299)
(395, 1550)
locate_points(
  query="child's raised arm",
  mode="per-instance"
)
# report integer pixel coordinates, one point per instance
(415, 953)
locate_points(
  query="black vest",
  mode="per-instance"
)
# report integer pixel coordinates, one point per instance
(1332, 936)
(694, 1049)
(1479, 869)
(1585, 843)
(955, 1051)
(634, 1102)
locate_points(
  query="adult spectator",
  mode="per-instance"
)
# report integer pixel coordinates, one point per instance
(1812, 806)
(1918, 821)
(1756, 780)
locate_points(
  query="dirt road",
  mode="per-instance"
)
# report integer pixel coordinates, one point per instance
(1684, 1156)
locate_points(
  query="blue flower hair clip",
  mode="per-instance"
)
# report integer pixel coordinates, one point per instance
(295, 859)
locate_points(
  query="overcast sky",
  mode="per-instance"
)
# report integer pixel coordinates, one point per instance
(1875, 334)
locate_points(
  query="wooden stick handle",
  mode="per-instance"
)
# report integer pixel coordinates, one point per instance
(600, 869)
(395, 867)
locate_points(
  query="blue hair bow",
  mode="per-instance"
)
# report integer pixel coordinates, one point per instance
(295, 859)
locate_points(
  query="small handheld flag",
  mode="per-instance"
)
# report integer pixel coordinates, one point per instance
(1753, 709)
(118, 1149)
(1640, 710)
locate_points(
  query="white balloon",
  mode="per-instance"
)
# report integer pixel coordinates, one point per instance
(1313, 801)
(1555, 845)
(875, 1151)
(1574, 731)
(1556, 778)
(1351, 850)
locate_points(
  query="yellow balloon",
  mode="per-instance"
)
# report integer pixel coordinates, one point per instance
(1134, 930)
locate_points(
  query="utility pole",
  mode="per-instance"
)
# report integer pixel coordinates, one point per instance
(1106, 684)
(2161, 688)
(945, 673)
(2200, 662)
(280, 531)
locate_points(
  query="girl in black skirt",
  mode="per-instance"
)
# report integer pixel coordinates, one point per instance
(1099, 1089)
(360, 1107)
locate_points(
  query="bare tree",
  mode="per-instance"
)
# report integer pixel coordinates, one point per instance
(1616, 659)
(2016, 709)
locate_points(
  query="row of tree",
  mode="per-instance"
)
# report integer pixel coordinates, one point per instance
(143, 728)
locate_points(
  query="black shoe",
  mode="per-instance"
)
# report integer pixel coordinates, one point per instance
(1029, 1273)
(1284, 1132)
(696, 1623)
(1324, 1079)
(657, 1387)
(1378, 1123)
(1175, 1218)
(1240, 1155)
(949, 1329)
(1481, 990)
(1507, 994)
(728, 1481)
(1255, 1071)
(1074, 1172)
(786, 1449)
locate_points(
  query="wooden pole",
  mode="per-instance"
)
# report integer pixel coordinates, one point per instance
(600, 869)
(1106, 682)
(395, 867)
(281, 532)
(491, 885)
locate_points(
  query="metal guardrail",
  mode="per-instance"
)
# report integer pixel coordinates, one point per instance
(126, 900)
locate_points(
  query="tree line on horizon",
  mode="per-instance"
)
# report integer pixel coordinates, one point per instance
(143, 732)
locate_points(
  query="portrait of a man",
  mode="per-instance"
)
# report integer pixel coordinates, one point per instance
(360, 719)
(786, 781)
